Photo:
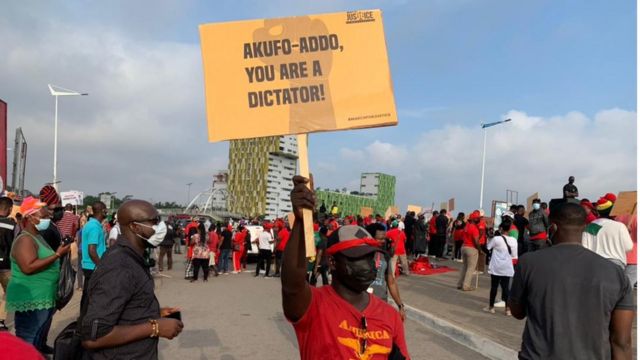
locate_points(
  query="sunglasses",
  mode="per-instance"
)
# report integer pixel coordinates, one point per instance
(154, 220)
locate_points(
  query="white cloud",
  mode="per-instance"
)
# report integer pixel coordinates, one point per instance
(141, 130)
(530, 154)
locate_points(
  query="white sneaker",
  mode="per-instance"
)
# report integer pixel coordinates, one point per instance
(499, 304)
(478, 272)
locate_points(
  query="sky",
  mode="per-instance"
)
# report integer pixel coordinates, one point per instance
(563, 71)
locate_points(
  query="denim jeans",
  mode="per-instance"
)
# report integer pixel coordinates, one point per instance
(224, 260)
(33, 326)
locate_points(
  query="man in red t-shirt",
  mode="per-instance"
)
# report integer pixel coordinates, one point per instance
(398, 239)
(283, 238)
(341, 320)
(470, 247)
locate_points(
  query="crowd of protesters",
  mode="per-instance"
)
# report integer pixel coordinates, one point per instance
(35, 240)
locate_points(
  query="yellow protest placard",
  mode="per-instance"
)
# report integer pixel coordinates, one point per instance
(530, 201)
(366, 211)
(391, 211)
(625, 204)
(296, 75)
(415, 208)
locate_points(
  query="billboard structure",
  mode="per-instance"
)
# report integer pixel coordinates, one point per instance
(19, 163)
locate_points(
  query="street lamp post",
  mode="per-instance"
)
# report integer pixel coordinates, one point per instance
(188, 193)
(55, 92)
(484, 151)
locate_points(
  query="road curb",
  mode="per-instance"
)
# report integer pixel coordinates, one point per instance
(475, 342)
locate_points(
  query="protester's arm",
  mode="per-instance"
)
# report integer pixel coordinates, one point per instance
(124, 334)
(296, 294)
(93, 239)
(93, 254)
(392, 285)
(25, 253)
(620, 334)
(627, 242)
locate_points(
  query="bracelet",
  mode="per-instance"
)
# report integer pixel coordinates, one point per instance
(155, 329)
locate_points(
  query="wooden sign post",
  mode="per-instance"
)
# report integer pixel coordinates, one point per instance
(307, 214)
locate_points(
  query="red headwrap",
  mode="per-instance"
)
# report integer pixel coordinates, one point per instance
(49, 195)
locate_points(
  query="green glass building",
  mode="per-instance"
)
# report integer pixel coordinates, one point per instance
(377, 191)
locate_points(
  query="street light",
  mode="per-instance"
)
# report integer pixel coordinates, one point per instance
(484, 151)
(188, 192)
(58, 91)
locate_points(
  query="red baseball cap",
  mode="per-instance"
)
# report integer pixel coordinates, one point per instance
(352, 241)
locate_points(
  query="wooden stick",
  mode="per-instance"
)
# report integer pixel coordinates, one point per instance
(307, 215)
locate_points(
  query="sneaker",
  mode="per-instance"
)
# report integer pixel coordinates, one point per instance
(478, 272)
(499, 304)
(3, 327)
(489, 310)
(507, 312)
(234, 272)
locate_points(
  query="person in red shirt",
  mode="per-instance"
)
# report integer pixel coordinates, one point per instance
(238, 248)
(189, 230)
(482, 255)
(433, 231)
(214, 244)
(398, 239)
(341, 320)
(283, 237)
(470, 246)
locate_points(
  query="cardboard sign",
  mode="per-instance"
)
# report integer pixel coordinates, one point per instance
(296, 75)
(452, 204)
(415, 208)
(366, 211)
(391, 211)
(530, 201)
(625, 204)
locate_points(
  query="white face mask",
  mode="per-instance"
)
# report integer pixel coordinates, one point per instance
(536, 206)
(160, 230)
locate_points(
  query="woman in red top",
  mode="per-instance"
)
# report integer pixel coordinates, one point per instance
(470, 246)
(458, 236)
(238, 248)
(214, 241)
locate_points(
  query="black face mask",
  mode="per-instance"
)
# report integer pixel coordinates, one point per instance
(57, 214)
(357, 274)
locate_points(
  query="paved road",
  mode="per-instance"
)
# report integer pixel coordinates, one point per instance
(240, 317)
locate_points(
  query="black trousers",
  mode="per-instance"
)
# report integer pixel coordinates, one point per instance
(85, 288)
(313, 280)
(436, 245)
(278, 261)
(197, 265)
(503, 281)
(457, 254)
(263, 256)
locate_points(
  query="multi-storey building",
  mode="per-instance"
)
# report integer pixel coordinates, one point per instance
(377, 191)
(260, 173)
